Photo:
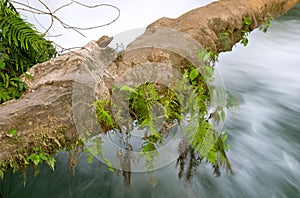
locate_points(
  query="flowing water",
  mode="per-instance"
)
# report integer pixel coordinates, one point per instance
(264, 135)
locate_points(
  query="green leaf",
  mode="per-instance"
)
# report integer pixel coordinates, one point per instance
(245, 41)
(13, 83)
(51, 162)
(211, 156)
(224, 138)
(223, 115)
(209, 70)
(90, 158)
(1, 174)
(201, 55)
(2, 64)
(247, 21)
(111, 169)
(227, 147)
(36, 149)
(193, 74)
(207, 57)
(223, 132)
(12, 133)
(129, 89)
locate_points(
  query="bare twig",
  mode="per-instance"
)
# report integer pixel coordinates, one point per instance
(62, 49)
(36, 18)
(28, 8)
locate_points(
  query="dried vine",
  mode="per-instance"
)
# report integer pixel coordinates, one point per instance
(45, 10)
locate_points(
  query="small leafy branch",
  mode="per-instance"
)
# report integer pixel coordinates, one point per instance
(39, 156)
(267, 23)
(246, 23)
(104, 115)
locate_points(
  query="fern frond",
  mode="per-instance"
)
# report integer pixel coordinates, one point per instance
(21, 47)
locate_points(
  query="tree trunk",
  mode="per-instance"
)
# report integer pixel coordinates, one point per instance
(44, 115)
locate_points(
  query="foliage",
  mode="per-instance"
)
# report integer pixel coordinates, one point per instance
(228, 35)
(247, 22)
(173, 107)
(40, 150)
(21, 47)
(12, 133)
(152, 102)
(96, 148)
(224, 40)
(103, 114)
(204, 140)
(245, 31)
(39, 156)
(266, 24)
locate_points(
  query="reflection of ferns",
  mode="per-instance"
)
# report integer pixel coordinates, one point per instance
(189, 160)
(21, 47)
(216, 170)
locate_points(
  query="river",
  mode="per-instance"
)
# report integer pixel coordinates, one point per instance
(264, 134)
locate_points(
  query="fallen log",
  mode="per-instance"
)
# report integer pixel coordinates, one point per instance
(43, 117)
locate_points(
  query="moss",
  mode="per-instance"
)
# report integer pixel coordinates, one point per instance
(224, 40)
(40, 149)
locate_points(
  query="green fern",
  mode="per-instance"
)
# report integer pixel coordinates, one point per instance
(21, 47)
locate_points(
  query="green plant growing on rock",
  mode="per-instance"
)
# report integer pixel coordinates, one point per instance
(245, 31)
(13, 134)
(39, 156)
(224, 39)
(172, 107)
(41, 149)
(103, 114)
(267, 24)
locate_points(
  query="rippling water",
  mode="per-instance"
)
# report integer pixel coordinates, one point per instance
(264, 134)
